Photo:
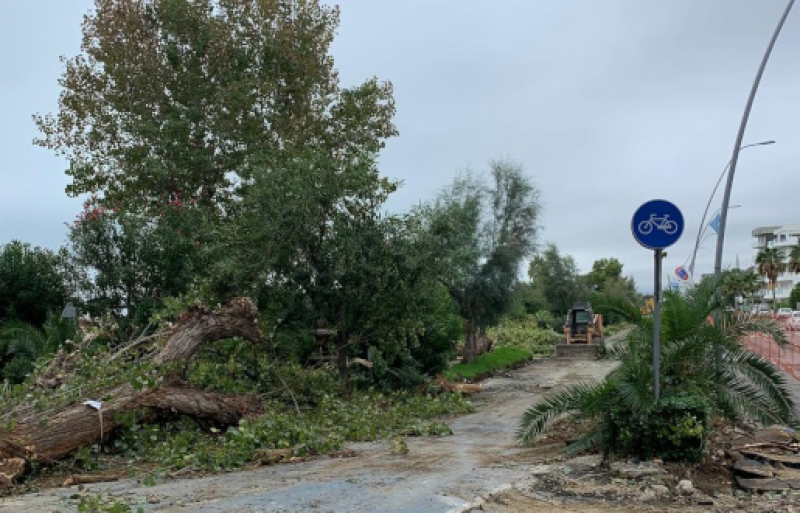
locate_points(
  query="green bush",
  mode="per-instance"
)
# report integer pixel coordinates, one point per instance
(407, 356)
(525, 333)
(31, 285)
(674, 429)
(500, 358)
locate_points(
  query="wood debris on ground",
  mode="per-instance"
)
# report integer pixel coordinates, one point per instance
(767, 460)
(464, 388)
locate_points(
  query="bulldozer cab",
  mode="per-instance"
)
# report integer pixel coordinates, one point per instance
(583, 331)
(579, 322)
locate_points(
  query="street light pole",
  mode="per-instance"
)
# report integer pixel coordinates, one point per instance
(703, 226)
(736, 147)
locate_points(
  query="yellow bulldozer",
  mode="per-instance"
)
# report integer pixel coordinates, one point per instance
(583, 332)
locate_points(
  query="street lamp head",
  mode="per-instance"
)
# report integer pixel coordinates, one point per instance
(764, 143)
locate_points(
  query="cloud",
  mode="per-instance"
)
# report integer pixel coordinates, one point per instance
(607, 105)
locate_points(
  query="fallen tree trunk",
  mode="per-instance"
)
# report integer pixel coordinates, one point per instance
(47, 436)
(199, 325)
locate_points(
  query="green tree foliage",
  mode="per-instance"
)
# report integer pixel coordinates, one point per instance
(31, 283)
(223, 103)
(180, 99)
(556, 282)
(793, 262)
(480, 234)
(742, 385)
(770, 264)
(424, 344)
(605, 279)
(525, 333)
(604, 271)
(310, 244)
(794, 297)
(739, 283)
(136, 261)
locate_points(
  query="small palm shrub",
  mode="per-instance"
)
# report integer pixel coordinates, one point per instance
(22, 344)
(705, 371)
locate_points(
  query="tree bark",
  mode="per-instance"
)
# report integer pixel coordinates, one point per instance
(199, 325)
(45, 436)
(774, 300)
(468, 354)
(341, 358)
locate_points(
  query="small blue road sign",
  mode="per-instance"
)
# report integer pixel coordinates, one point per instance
(657, 224)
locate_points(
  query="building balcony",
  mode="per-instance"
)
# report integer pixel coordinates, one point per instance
(786, 244)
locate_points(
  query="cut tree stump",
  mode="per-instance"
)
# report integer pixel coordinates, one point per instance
(47, 436)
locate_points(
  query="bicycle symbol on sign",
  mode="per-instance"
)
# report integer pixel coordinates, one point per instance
(664, 224)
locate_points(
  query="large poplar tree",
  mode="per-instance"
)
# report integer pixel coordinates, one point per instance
(186, 107)
(175, 99)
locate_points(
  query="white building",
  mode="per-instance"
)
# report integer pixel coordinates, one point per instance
(784, 238)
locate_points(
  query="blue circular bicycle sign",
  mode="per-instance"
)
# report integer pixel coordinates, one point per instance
(657, 224)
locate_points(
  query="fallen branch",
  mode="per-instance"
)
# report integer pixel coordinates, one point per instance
(45, 436)
(464, 388)
(77, 479)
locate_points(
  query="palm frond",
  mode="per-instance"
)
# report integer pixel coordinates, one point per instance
(586, 398)
(22, 339)
(619, 305)
(750, 324)
(767, 379)
(636, 389)
(740, 395)
(590, 440)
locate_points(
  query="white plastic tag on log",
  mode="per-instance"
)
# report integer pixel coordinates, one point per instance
(94, 404)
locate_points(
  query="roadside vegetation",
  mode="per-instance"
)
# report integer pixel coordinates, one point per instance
(488, 363)
(705, 373)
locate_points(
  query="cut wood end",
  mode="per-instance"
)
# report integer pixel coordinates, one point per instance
(11, 469)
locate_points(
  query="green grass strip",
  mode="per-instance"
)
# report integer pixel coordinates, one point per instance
(498, 359)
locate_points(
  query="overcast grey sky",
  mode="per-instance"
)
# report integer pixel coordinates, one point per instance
(606, 103)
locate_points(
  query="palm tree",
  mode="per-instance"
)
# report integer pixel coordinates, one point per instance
(22, 344)
(769, 262)
(793, 264)
(739, 282)
(699, 358)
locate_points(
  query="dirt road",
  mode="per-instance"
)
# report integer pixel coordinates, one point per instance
(438, 474)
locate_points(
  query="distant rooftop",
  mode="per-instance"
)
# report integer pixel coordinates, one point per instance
(765, 230)
(771, 230)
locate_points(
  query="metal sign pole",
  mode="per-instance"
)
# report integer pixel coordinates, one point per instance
(656, 225)
(657, 324)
